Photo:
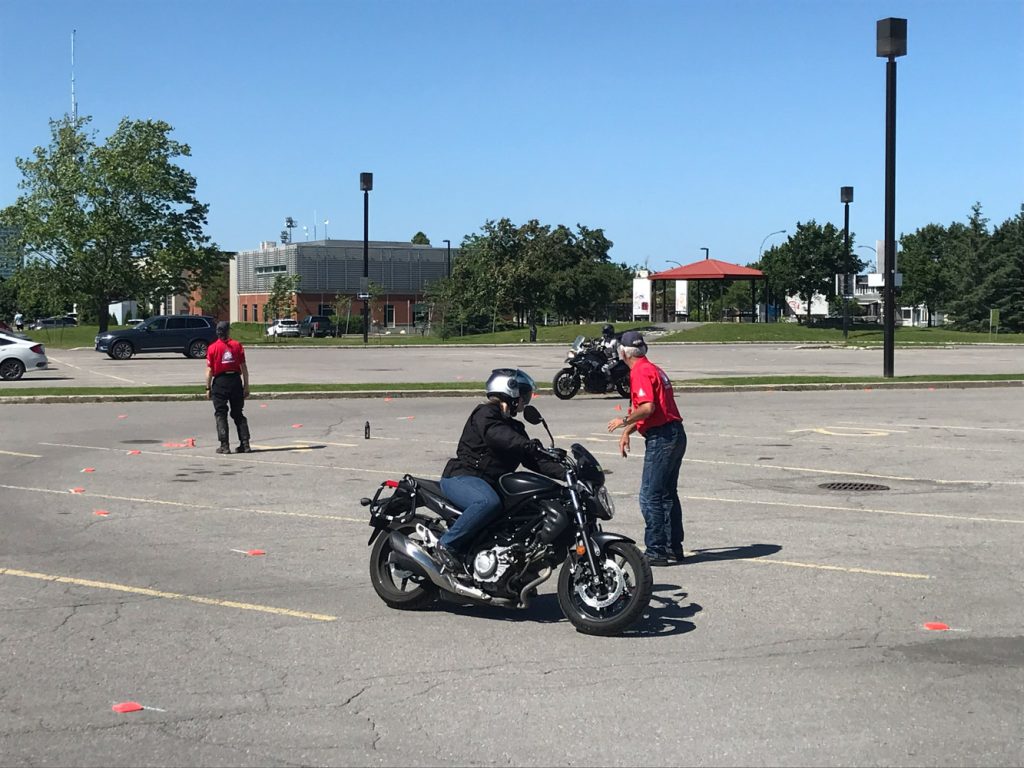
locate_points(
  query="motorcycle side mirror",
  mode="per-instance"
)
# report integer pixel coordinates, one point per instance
(532, 415)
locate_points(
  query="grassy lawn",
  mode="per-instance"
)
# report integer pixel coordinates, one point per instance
(252, 334)
(395, 387)
(859, 335)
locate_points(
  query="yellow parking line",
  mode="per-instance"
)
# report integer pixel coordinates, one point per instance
(26, 455)
(185, 505)
(869, 510)
(868, 571)
(146, 592)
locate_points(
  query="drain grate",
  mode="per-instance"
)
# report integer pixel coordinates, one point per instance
(853, 487)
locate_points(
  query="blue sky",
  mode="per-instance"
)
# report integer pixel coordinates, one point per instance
(671, 125)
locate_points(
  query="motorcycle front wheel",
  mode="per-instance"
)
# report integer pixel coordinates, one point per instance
(622, 387)
(620, 600)
(566, 384)
(395, 586)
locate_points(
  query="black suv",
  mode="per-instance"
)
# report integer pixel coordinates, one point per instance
(317, 325)
(187, 334)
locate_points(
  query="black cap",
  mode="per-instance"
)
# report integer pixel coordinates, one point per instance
(633, 339)
(223, 328)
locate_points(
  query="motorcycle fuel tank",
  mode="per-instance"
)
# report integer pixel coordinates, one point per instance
(519, 485)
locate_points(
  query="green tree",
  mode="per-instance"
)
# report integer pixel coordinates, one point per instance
(117, 220)
(507, 270)
(215, 292)
(808, 262)
(973, 292)
(926, 261)
(1005, 281)
(36, 290)
(280, 299)
(420, 239)
(342, 311)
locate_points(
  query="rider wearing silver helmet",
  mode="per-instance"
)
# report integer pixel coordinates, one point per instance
(493, 443)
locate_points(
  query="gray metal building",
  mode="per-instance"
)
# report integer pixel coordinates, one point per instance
(332, 267)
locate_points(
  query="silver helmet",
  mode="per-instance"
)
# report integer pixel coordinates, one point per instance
(511, 386)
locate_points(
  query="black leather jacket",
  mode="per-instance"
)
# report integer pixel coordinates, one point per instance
(493, 445)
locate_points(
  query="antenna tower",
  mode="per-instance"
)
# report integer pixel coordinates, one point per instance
(74, 102)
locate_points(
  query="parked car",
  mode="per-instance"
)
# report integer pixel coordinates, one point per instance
(18, 355)
(45, 323)
(283, 327)
(317, 325)
(188, 334)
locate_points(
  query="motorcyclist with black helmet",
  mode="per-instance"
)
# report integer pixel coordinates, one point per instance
(493, 443)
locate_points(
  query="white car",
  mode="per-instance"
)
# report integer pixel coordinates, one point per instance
(284, 327)
(18, 355)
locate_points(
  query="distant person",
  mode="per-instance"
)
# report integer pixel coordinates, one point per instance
(654, 414)
(227, 384)
(610, 344)
(19, 321)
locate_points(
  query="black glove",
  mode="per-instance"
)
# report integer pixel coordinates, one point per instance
(535, 447)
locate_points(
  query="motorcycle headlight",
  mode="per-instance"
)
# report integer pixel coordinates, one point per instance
(571, 355)
(605, 500)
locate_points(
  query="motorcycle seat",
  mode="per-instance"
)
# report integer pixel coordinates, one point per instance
(433, 498)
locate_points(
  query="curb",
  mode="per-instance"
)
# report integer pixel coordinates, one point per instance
(399, 393)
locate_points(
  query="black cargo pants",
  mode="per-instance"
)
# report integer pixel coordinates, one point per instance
(226, 390)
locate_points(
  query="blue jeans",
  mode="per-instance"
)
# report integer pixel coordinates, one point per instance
(659, 495)
(480, 505)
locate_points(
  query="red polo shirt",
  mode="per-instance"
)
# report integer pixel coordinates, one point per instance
(649, 384)
(225, 357)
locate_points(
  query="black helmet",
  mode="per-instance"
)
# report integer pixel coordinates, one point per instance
(511, 386)
(608, 330)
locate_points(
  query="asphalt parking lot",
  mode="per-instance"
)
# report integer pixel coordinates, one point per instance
(86, 368)
(794, 635)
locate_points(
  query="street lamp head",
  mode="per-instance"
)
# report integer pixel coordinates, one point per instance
(890, 38)
(365, 182)
(846, 194)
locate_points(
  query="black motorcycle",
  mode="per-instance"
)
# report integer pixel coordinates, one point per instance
(585, 368)
(605, 582)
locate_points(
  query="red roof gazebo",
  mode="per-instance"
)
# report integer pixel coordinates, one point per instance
(705, 269)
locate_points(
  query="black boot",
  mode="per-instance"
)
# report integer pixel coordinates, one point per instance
(222, 433)
(243, 435)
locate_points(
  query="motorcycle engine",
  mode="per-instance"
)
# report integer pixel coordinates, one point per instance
(489, 565)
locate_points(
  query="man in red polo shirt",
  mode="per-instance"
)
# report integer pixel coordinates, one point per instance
(654, 414)
(227, 383)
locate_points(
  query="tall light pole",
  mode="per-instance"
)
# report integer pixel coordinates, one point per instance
(890, 42)
(846, 197)
(366, 184)
(449, 244)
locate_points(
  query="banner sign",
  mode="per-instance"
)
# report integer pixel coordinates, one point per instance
(641, 296)
(682, 298)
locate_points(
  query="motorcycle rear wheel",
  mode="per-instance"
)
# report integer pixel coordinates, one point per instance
(566, 384)
(627, 570)
(392, 585)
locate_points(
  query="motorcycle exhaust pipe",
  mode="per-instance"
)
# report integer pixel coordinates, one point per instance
(524, 597)
(408, 550)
